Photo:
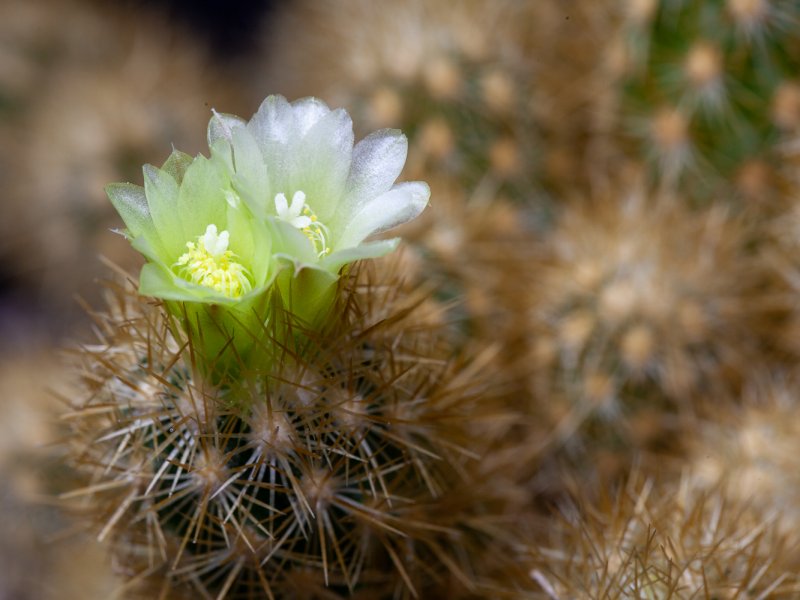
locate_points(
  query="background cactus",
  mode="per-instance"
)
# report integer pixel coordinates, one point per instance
(639, 309)
(710, 88)
(646, 544)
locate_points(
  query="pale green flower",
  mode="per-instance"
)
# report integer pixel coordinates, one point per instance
(295, 166)
(207, 256)
(201, 244)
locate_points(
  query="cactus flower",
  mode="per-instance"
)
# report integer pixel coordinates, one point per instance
(201, 245)
(207, 257)
(285, 201)
(296, 168)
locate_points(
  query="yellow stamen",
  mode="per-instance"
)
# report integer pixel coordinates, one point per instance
(214, 267)
(316, 232)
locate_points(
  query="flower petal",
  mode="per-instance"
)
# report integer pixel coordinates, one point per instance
(307, 291)
(321, 162)
(221, 126)
(251, 243)
(307, 113)
(251, 177)
(290, 242)
(335, 261)
(176, 165)
(131, 204)
(162, 199)
(378, 160)
(273, 124)
(200, 200)
(155, 280)
(397, 206)
(274, 130)
(144, 246)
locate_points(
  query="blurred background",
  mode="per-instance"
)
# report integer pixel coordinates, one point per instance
(614, 203)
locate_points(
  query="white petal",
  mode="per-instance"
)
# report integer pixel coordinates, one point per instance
(321, 162)
(334, 262)
(274, 132)
(307, 113)
(399, 205)
(274, 121)
(378, 160)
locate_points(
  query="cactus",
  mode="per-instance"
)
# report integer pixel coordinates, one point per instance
(711, 89)
(326, 472)
(749, 453)
(638, 309)
(644, 543)
(283, 425)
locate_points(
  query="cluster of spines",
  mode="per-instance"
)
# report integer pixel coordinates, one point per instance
(326, 470)
(652, 540)
(642, 309)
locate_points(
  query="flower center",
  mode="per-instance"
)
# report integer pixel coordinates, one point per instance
(209, 263)
(299, 214)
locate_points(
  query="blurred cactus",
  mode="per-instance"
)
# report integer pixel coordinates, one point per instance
(639, 308)
(329, 472)
(645, 543)
(33, 566)
(750, 453)
(453, 77)
(474, 250)
(710, 88)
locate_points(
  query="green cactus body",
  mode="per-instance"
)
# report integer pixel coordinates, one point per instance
(324, 473)
(707, 90)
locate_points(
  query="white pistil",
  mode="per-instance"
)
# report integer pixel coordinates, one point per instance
(215, 244)
(292, 214)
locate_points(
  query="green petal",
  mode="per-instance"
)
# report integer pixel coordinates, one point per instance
(335, 261)
(290, 242)
(221, 126)
(131, 204)
(162, 198)
(201, 201)
(159, 282)
(143, 245)
(222, 153)
(308, 293)
(251, 242)
(176, 165)
(251, 173)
